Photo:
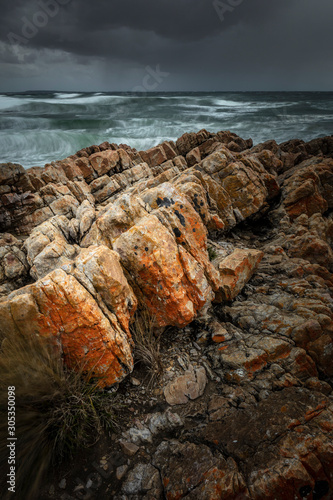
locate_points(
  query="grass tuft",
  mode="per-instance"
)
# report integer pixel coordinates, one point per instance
(57, 411)
(147, 343)
(212, 254)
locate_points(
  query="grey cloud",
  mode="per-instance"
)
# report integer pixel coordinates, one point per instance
(259, 44)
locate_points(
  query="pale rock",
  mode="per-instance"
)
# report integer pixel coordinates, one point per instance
(191, 385)
(236, 270)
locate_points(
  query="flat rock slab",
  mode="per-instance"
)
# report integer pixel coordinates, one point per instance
(192, 471)
(236, 270)
(278, 434)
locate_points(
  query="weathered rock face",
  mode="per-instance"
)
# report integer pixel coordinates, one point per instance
(193, 471)
(58, 306)
(48, 248)
(242, 182)
(110, 228)
(294, 463)
(308, 188)
(236, 270)
(298, 308)
(171, 280)
(13, 264)
(101, 267)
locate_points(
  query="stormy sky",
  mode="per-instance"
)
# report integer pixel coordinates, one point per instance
(166, 45)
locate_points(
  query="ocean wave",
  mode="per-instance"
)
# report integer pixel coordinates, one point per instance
(104, 99)
(176, 97)
(74, 99)
(65, 95)
(8, 102)
(16, 123)
(38, 128)
(36, 148)
(227, 103)
(198, 106)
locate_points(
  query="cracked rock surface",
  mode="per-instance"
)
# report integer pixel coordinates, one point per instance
(229, 246)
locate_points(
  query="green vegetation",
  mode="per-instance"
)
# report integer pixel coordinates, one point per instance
(212, 254)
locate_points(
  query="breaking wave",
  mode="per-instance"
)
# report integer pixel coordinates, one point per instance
(36, 128)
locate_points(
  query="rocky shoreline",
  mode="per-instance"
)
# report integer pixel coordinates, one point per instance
(229, 248)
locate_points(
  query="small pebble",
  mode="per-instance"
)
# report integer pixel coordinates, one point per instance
(62, 484)
(198, 348)
(129, 449)
(182, 363)
(121, 471)
(79, 487)
(135, 381)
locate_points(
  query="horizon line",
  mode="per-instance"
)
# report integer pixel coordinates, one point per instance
(159, 92)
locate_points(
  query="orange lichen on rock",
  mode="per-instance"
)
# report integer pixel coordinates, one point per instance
(172, 283)
(59, 307)
(176, 213)
(218, 338)
(236, 270)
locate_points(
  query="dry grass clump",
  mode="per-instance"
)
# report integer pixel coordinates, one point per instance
(147, 343)
(57, 410)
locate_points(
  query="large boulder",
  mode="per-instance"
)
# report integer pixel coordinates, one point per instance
(60, 308)
(172, 283)
(307, 189)
(243, 184)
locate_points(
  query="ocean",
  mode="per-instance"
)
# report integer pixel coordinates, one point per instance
(40, 127)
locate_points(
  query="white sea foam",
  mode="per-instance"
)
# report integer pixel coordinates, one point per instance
(79, 99)
(233, 104)
(7, 102)
(66, 95)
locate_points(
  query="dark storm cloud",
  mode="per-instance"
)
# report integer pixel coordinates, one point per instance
(218, 44)
(175, 19)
